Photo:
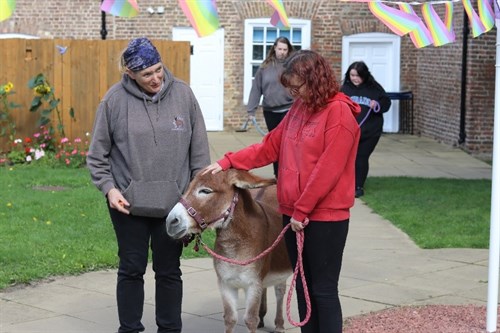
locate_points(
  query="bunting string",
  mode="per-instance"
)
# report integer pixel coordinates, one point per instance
(432, 30)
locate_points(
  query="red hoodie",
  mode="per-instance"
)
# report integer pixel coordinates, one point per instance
(316, 154)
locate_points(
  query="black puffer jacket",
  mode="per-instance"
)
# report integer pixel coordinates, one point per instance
(362, 95)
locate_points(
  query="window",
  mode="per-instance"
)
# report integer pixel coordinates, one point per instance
(259, 38)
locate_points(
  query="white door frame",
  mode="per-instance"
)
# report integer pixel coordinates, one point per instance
(391, 118)
(213, 110)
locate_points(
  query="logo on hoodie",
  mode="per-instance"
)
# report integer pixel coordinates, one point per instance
(178, 124)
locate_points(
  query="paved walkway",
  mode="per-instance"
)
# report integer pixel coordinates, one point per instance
(382, 267)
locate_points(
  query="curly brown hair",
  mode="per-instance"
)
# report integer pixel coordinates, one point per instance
(317, 74)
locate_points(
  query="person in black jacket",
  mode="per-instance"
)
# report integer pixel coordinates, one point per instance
(361, 86)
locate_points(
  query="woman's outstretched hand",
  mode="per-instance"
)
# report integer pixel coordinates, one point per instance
(213, 168)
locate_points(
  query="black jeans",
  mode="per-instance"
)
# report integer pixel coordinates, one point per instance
(272, 121)
(322, 259)
(134, 235)
(366, 147)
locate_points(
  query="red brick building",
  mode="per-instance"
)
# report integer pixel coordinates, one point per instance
(453, 90)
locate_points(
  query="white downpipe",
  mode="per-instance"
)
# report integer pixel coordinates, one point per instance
(494, 253)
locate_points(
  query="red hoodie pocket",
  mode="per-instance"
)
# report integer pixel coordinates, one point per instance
(290, 191)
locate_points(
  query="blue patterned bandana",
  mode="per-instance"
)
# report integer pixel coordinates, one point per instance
(140, 54)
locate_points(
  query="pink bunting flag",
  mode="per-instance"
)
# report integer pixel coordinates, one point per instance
(121, 8)
(279, 18)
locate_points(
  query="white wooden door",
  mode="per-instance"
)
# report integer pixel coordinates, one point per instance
(206, 73)
(381, 53)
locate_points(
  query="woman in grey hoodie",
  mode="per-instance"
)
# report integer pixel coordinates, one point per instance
(149, 140)
(276, 99)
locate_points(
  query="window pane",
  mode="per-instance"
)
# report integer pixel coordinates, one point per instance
(285, 33)
(254, 70)
(297, 36)
(258, 52)
(258, 35)
(272, 34)
(268, 48)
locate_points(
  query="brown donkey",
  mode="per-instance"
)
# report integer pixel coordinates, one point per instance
(247, 222)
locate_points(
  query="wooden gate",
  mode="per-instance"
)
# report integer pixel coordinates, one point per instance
(80, 76)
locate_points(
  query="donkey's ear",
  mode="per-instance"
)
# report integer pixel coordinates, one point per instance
(244, 179)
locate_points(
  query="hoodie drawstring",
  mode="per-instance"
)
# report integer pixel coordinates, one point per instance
(149, 117)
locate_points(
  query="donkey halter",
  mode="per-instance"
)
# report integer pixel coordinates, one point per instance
(227, 214)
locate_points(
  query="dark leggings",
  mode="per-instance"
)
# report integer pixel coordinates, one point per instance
(134, 235)
(365, 149)
(272, 121)
(322, 259)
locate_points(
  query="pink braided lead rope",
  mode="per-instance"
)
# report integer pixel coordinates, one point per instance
(299, 269)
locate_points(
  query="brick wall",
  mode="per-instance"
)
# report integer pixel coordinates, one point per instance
(432, 73)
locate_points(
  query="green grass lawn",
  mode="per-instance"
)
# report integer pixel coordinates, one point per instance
(53, 221)
(435, 213)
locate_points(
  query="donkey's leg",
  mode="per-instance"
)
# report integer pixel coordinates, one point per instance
(253, 296)
(230, 304)
(279, 322)
(263, 308)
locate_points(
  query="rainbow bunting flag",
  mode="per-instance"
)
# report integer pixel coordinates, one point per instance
(202, 14)
(441, 32)
(121, 8)
(279, 18)
(398, 21)
(421, 36)
(486, 13)
(6, 9)
(484, 21)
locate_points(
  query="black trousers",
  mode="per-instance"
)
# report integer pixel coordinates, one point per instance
(272, 120)
(134, 235)
(367, 144)
(324, 244)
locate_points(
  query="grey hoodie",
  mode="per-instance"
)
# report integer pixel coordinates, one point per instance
(267, 83)
(148, 149)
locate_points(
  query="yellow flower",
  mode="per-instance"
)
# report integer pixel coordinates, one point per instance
(42, 89)
(8, 87)
(9, 204)
(48, 222)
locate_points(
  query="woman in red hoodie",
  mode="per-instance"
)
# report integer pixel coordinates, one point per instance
(315, 146)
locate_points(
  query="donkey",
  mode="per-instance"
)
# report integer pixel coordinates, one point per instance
(247, 222)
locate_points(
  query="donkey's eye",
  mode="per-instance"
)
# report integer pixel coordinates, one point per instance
(205, 191)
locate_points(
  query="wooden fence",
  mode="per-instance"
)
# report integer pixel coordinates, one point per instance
(80, 76)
